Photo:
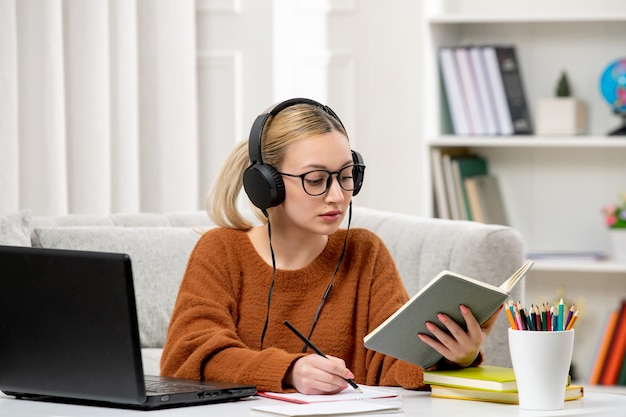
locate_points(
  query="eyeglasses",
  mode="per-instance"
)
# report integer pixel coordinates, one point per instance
(318, 182)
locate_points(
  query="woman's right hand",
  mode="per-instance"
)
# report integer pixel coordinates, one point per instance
(315, 374)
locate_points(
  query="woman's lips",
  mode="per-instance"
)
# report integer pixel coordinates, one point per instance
(331, 215)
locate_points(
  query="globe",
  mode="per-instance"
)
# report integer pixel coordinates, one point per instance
(613, 89)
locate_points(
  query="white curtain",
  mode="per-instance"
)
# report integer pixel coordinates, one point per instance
(99, 109)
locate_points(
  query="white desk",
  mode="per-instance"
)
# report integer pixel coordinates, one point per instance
(414, 403)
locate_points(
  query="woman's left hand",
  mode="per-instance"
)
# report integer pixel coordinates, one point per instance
(459, 346)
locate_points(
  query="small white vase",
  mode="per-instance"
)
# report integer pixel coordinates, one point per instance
(618, 244)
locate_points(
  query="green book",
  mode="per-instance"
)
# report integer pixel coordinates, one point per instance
(397, 336)
(621, 380)
(464, 167)
(486, 377)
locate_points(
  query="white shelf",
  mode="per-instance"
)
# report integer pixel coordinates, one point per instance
(617, 268)
(455, 19)
(529, 142)
(607, 389)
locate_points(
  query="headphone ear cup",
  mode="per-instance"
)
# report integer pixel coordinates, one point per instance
(264, 185)
(358, 172)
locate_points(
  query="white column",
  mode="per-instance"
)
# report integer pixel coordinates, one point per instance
(125, 194)
(168, 105)
(87, 93)
(9, 170)
(41, 107)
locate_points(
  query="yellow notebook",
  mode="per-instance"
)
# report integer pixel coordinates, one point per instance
(572, 392)
(486, 377)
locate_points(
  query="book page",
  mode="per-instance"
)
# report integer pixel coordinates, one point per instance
(519, 274)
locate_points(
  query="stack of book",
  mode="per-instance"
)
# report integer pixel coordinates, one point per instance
(482, 383)
(609, 367)
(464, 189)
(484, 90)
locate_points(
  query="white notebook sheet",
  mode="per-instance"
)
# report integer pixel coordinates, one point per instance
(338, 408)
(346, 395)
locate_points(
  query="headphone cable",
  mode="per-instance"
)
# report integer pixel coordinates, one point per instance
(269, 296)
(332, 280)
(328, 289)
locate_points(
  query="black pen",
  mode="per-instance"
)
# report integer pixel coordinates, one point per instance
(316, 350)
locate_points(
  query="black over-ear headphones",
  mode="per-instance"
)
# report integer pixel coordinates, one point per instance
(262, 182)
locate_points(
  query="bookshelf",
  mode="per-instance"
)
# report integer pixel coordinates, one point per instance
(553, 187)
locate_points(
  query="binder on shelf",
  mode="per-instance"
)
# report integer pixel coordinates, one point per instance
(508, 89)
(442, 208)
(464, 167)
(603, 347)
(441, 180)
(485, 200)
(621, 379)
(451, 192)
(617, 349)
(485, 94)
(469, 85)
(453, 91)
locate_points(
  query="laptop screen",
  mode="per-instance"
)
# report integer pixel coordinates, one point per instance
(68, 325)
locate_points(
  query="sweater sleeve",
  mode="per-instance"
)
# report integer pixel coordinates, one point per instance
(202, 340)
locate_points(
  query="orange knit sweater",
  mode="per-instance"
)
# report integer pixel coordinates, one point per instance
(216, 325)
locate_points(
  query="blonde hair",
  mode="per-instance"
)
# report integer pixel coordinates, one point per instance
(294, 123)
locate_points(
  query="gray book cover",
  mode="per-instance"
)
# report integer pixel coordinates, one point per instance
(397, 336)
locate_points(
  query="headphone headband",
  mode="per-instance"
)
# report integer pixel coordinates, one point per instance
(254, 146)
(262, 182)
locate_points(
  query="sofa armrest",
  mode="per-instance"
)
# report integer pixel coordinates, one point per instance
(423, 247)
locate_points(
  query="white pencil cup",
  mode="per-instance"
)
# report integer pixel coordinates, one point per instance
(541, 361)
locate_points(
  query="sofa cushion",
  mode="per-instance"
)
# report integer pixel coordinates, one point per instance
(158, 258)
(15, 229)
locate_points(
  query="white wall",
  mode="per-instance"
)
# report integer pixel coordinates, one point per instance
(361, 58)
(389, 113)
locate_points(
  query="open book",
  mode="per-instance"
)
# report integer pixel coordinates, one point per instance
(397, 336)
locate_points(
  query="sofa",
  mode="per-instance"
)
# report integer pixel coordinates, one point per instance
(159, 245)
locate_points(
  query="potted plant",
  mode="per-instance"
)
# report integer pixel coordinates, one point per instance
(563, 114)
(615, 219)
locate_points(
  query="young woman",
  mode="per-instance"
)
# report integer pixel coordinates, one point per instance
(335, 285)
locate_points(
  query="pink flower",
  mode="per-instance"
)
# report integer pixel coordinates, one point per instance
(615, 214)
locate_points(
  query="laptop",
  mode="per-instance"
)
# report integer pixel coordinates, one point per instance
(69, 333)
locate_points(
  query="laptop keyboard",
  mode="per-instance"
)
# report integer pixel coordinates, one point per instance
(162, 387)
